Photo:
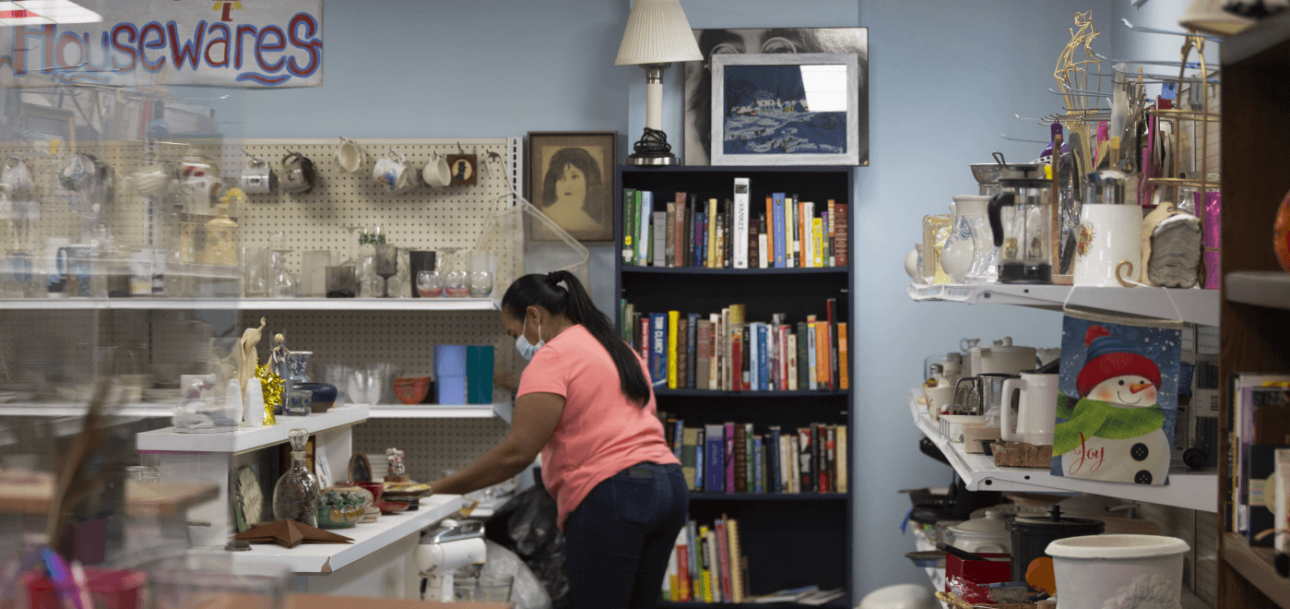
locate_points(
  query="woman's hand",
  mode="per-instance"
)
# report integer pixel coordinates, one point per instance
(535, 419)
(507, 380)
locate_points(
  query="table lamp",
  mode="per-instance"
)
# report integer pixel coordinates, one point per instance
(657, 34)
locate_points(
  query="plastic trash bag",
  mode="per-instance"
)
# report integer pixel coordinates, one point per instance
(526, 591)
(526, 526)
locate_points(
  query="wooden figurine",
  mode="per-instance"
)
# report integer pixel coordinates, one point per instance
(249, 359)
(1172, 245)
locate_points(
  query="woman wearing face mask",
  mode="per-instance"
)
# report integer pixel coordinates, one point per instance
(585, 403)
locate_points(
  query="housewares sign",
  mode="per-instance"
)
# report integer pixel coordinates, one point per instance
(251, 43)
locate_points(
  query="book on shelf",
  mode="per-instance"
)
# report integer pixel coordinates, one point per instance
(707, 564)
(682, 229)
(1255, 403)
(728, 352)
(745, 458)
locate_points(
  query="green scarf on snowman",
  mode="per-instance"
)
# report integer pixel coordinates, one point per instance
(1105, 359)
(1097, 419)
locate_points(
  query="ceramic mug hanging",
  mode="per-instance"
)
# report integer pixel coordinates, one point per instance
(257, 177)
(298, 173)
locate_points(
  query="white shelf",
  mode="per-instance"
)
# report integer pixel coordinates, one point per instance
(1186, 489)
(34, 409)
(254, 304)
(248, 438)
(435, 411)
(324, 558)
(1193, 306)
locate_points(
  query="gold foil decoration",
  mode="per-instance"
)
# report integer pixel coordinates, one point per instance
(271, 384)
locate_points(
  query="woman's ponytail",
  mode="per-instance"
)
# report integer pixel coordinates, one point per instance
(573, 302)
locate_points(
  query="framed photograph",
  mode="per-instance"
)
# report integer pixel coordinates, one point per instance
(800, 109)
(723, 41)
(571, 180)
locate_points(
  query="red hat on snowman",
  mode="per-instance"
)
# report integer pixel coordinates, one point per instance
(1109, 358)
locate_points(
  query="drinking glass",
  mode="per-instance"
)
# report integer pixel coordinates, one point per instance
(481, 274)
(457, 282)
(313, 273)
(351, 246)
(256, 276)
(429, 284)
(282, 284)
(387, 265)
(341, 282)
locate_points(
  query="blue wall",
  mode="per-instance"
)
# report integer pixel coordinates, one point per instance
(946, 78)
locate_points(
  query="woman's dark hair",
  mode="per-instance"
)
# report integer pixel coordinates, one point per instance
(573, 302)
(581, 160)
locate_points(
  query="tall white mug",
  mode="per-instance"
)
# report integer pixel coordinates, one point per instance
(1108, 248)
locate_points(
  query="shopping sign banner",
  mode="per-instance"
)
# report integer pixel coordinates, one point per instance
(247, 43)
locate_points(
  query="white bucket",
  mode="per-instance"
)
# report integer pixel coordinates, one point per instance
(1099, 571)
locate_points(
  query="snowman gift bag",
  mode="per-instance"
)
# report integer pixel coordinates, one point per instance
(1118, 402)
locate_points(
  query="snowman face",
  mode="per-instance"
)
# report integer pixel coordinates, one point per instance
(1127, 390)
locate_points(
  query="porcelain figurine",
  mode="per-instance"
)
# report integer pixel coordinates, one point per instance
(249, 359)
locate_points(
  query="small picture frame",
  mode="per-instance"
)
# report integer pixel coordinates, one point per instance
(463, 168)
(571, 180)
(785, 109)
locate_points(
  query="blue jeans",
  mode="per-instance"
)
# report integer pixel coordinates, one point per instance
(619, 539)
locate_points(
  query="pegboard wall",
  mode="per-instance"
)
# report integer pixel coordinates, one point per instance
(422, 219)
(430, 445)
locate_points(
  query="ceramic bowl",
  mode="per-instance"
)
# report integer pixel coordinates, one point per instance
(376, 489)
(412, 390)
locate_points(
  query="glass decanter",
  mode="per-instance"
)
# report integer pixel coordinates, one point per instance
(295, 497)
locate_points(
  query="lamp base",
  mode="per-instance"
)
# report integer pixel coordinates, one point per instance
(652, 150)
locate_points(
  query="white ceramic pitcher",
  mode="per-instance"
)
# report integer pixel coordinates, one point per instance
(1036, 412)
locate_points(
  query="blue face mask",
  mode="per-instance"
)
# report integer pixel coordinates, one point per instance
(526, 348)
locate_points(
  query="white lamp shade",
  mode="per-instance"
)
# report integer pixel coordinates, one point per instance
(657, 32)
(1208, 16)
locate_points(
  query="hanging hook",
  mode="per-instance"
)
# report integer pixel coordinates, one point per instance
(1151, 30)
(1017, 139)
(460, 150)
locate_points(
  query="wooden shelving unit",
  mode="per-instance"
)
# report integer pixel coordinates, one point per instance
(790, 540)
(1256, 329)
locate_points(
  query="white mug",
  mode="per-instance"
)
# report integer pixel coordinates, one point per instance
(1108, 249)
(437, 173)
(350, 156)
(389, 171)
(409, 179)
(1036, 410)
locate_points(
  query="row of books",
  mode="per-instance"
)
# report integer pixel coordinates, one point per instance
(707, 565)
(723, 352)
(735, 458)
(1259, 426)
(688, 231)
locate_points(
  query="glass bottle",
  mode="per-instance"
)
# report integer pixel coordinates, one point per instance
(295, 496)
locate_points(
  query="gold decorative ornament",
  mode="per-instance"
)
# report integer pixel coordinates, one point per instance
(271, 384)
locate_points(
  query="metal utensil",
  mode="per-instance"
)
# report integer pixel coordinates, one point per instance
(964, 554)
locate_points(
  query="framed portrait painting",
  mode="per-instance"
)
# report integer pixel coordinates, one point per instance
(714, 42)
(571, 180)
(775, 109)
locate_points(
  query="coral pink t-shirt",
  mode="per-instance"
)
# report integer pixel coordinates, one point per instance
(600, 432)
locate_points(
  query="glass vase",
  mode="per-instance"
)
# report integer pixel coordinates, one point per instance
(295, 497)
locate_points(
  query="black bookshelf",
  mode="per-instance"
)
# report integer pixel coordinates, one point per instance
(790, 540)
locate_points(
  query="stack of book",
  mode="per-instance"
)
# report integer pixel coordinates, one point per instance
(707, 565)
(1259, 424)
(686, 230)
(735, 458)
(723, 352)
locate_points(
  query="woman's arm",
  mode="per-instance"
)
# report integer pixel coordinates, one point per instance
(536, 416)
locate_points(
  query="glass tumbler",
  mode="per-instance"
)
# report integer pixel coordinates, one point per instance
(429, 284)
(297, 402)
(457, 282)
(341, 282)
(481, 274)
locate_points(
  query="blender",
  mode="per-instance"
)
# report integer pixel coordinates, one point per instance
(1020, 219)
